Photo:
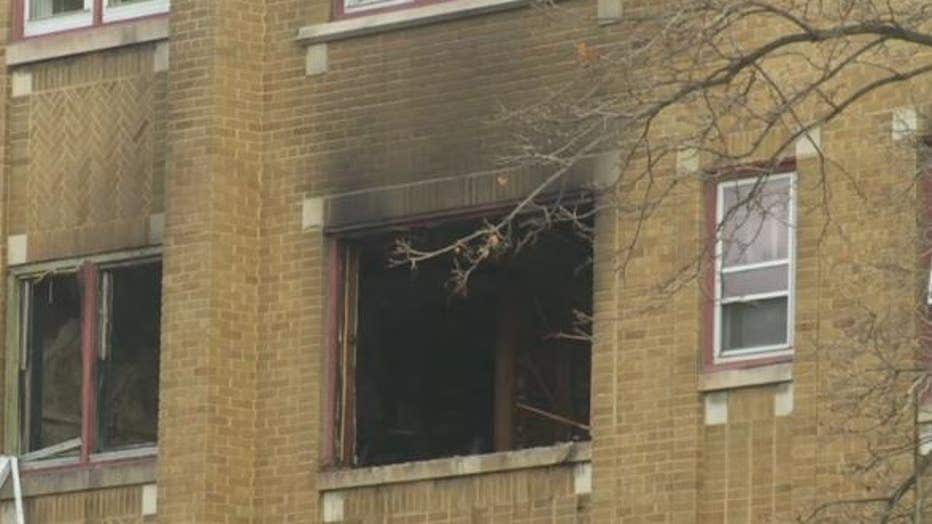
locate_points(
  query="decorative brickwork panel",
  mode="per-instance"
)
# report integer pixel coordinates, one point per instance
(90, 148)
(122, 505)
(89, 181)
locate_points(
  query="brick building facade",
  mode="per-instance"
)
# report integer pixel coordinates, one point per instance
(234, 150)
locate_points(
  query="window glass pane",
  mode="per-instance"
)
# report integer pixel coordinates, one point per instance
(755, 281)
(117, 3)
(754, 324)
(45, 8)
(357, 4)
(129, 375)
(52, 389)
(755, 225)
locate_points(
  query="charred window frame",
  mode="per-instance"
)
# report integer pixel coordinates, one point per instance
(508, 406)
(102, 354)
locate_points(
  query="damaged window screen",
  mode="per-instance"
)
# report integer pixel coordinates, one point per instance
(439, 375)
(53, 381)
(128, 369)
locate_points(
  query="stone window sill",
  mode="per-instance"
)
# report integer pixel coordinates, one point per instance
(45, 479)
(401, 19)
(560, 454)
(740, 378)
(87, 40)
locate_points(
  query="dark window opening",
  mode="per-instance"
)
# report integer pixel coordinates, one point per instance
(89, 342)
(52, 386)
(439, 375)
(128, 371)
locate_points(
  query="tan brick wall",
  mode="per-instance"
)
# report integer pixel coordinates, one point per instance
(111, 506)
(542, 495)
(210, 321)
(250, 136)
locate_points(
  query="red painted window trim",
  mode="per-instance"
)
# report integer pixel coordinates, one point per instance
(339, 8)
(89, 284)
(90, 325)
(17, 12)
(709, 365)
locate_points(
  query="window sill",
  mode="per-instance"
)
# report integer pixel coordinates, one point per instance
(740, 378)
(403, 18)
(109, 36)
(45, 478)
(568, 453)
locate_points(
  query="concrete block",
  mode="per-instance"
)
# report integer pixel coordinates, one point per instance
(333, 506)
(809, 144)
(156, 228)
(316, 59)
(925, 439)
(161, 58)
(783, 400)
(716, 408)
(607, 169)
(312, 213)
(22, 83)
(609, 11)
(687, 161)
(904, 123)
(582, 478)
(16, 249)
(150, 498)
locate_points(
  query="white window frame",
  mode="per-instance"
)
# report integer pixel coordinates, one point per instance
(757, 352)
(348, 9)
(134, 10)
(54, 24)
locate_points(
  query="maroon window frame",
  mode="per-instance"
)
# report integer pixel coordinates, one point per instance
(18, 10)
(89, 283)
(711, 229)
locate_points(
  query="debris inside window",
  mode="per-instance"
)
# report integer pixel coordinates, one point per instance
(52, 385)
(437, 374)
(128, 370)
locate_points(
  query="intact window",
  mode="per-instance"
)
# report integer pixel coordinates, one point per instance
(90, 359)
(755, 262)
(345, 8)
(428, 374)
(50, 16)
(39, 9)
(115, 10)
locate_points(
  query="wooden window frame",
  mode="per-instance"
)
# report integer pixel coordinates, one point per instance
(89, 271)
(712, 359)
(96, 13)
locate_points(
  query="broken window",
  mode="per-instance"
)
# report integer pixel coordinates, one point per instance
(429, 374)
(128, 366)
(53, 380)
(89, 359)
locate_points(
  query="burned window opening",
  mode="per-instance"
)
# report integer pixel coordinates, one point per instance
(435, 375)
(51, 389)
(89, 359)
(128, 369)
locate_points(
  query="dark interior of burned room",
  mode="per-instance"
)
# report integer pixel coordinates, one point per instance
(441, 374)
